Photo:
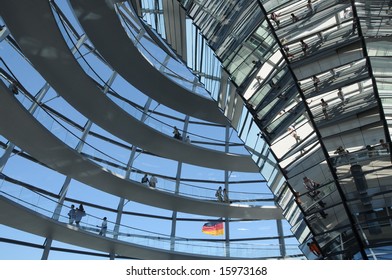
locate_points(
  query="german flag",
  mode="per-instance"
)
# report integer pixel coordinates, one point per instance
(213, 228)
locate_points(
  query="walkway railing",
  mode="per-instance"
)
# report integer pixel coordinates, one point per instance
(117, 163)
(46, 206)
(100, 72)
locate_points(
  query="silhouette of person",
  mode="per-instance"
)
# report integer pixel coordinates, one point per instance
(311, 186)
(104, 227)
(316, 82)
(275, 18)
(294, 18)
(72, 214)
(79, 214)
(145, 179)
(324, 107)
(304, 47)
(218, 194)
(310, 6)
(153, 181)
(314, 248)
(341, 96)
(293, 133)
(176, 133)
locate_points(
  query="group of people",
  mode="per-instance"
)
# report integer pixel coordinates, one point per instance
(324, 104)
(222, 195)
(76, 214)
(275, 17)
(304, 47)
(177, 135)
(152, 181)
(312, 188)
(370, 148)
(341, 151)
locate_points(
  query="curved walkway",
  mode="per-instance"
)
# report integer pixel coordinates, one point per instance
(103, 27)
(48, 149)
(38, 224)
(43, 44)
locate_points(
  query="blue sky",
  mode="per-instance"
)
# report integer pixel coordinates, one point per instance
(42, 177)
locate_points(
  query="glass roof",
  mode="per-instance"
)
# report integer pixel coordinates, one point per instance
(306, 86)
(336, 52)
